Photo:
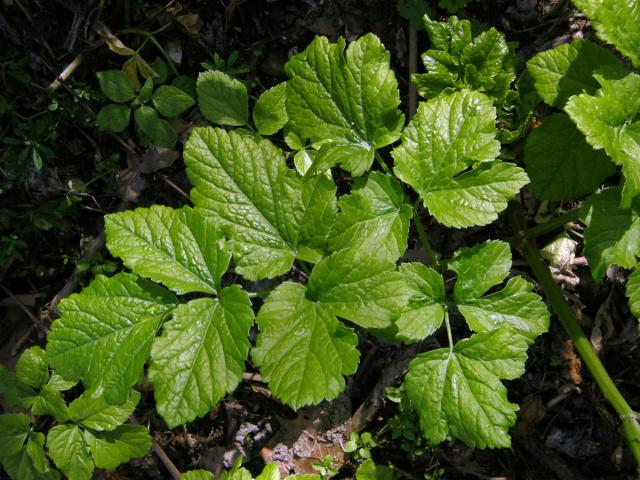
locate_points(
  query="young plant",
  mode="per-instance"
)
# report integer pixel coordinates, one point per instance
(168, 101)
(90, 432)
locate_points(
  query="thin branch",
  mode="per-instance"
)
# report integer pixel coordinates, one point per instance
(36, 321)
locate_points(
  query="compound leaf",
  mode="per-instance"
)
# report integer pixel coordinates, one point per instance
(153, 129)
(344, 98)
(179, 248)
(425, 312)
(105, 332)
(374, 218)
(171, 101)
(32, 368)
(302, 350)
(560, 162)
(567, 70)
(616, 22)
(367, 291)
(200, 355)
(613, 233)
(69, 452)
(92, 411)
(449, 134)
(607, 120)
(270, 110)
(30, 463)
(459, 394)
(457, 61)
(270, 214)
(222, 99)
(112, 448)
(50, 402)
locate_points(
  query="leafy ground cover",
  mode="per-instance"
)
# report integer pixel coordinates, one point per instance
(248, 242)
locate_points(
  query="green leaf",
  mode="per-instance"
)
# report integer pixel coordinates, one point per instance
(32, 368)
(181, 249)
(414, 10)
(368, 470)
(112, 448)
(515, 307)
(197, 475)
(200, 355)
(269, 472)
(458, 393)
(350, 98)
(171, 101)
(159, 132)
(222, 99)
(14, 430)
(30, 463)
(69, 452)
(270, 215)
(613, 233)
(449, 134)
(270, 110)
(374, 218)
(633, 292)
(50, 402)
(560, 162)
(607, 120)
(145, 93)
(92, 411)
(105, 332)
(616, 22)
(114, 117)
(186, 84)
(567, 70)
(302, 350)
(365, 291)
(479, 268)
(425, 312)
(458, 61)
(116, 86)
(355, 158)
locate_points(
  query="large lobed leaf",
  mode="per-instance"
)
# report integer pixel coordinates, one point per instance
(613, 233)
(200, 355)
(448, 156)
(616, 22)
(302, 350)
(607, 119)
(179, 248)
(458, 392)
(373, 219)
(567, 70)
(270, 214)
(560, 162)
(104, 334)
(348, 100)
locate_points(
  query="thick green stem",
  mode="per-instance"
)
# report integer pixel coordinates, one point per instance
(553, 224)
(449, 334)
(583, 346)
(432, 260)
(382, 163)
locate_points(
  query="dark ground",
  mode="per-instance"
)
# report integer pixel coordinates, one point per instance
(566, 430)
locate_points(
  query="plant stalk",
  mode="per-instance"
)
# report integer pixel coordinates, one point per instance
(432, 260)
(582, 344)
(553, 224)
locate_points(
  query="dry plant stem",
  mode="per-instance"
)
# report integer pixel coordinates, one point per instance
(161, 454)
(66, 73)
(581, 342)
(36, 321)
